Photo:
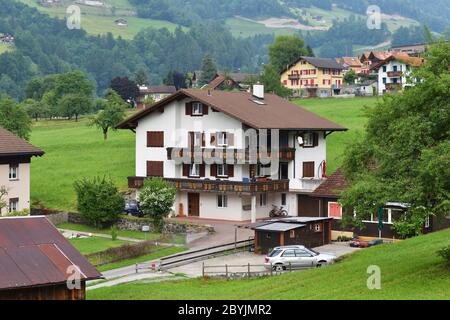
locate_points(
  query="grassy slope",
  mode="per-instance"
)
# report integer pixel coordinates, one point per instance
(94, 244)
(244, 28)
(5, 47)
(74, 150)
(409, 270)
(346, 112)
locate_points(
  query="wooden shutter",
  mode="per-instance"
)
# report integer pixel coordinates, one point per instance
(308, 169)
(155, 139)
(203, 139)
(230, 170)
(202, 170)
(186, 169)
(155, 168)
(188, 108)
(205, 109)
(191, 138)
(230, 138)
(315, 139)
(213, 170)
(213, 140)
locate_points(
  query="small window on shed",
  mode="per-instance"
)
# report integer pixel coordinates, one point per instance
(317, 227)
(292, 234)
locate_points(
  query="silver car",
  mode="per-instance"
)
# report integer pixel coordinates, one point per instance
(296, 257)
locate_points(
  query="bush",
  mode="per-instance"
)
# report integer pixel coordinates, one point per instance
(156, 199)
(99, 201)
(114, 233)
(445, 253)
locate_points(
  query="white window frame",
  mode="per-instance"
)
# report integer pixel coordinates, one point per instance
(197, 109)
(194, 170)
(317, 227)
(427, 222)
(310, 139)
(222, 170)
(13, 172)
(374, 216)
(222, 201)
(263, 199)
(198, 139)
(13, 205)
(329, 210)
(222, 139)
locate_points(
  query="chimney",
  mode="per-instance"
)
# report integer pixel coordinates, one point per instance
(209, 93)
(258, 91)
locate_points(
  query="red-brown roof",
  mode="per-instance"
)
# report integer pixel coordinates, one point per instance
(350, 61)
(12, 145)
(332, 187)
(272, 112)
(34, 253)
(217, 81)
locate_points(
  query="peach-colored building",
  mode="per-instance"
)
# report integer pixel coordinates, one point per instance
(15, 158)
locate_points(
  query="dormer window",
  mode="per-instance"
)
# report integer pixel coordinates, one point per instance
(197, 109)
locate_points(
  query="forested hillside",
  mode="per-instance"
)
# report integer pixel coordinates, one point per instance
(44, 45)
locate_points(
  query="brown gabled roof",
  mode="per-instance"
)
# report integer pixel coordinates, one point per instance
(331, 187)
(34, 253)
(350, 61)
(405, 58)
(272, 112)
(217, 81)
(12, 145)
(317, 62)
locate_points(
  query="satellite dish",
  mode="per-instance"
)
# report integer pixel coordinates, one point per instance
(300, 140)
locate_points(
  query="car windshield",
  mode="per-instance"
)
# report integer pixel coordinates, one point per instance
(314, 252)
(274, 253)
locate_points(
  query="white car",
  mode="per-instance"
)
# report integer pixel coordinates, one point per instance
(296, 257)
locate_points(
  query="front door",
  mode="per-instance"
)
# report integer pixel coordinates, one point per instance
(193, 204)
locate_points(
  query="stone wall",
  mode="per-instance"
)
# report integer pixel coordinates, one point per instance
(126, 222)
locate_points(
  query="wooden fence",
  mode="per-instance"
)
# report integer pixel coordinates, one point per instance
(242, 271)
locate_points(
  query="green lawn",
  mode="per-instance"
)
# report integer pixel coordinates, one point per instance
(92, 245)
(244, 28)
(5, 47)
(346, 112)
(158, 253)
(74, 150)
(409, 270)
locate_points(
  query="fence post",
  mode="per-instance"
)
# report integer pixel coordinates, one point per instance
(136, 268)
(226, 271)
(249, 270)
(203, 269)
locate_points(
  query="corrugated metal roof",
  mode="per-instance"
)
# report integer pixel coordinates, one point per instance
(33, 252)
(303, 219)
(279, 226)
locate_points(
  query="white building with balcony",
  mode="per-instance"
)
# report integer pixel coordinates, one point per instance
(211, 145)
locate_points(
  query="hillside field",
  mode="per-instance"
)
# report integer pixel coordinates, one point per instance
(74, 150)
(410, 270)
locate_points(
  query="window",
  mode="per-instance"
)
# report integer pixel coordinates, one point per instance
(334, 210)
(196, 139)
(155, 139)
(384, 80)
(13, 171)
(308, 140)
(155, 168)
(13, 204)
(262, 199)
(384, 69)
(317, 227)
(288, 253)
(222, 201)
(395, 68)
(222, 139)
(308, 169)
(222, 170)
(194, 170)
(197, 109)
(292, 234)
(302, 253)
(283, 199)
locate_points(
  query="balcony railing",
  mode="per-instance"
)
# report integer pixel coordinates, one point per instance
(205, 185)
(310, 184)
(393, 74)
(237, 155)
(293, 76)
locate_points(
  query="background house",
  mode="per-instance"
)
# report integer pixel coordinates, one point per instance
(36, 261)
(15, 158)
(157, 93)
(230, 80)
(313, 77)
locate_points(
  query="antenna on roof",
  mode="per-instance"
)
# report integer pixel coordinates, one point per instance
(209, 93)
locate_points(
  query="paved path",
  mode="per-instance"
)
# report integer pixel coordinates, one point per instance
(68, 233)
(130, 278)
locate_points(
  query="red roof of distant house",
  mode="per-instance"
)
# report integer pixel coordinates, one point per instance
(34, 253)
(159, 89)
(332, 187)
(217, 81)
(12, 145)
(350, 61)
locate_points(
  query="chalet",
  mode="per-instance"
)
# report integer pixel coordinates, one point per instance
(372, 58)
(230, 80)
(313, 77)
(15, 158)
(6, 38)
(413, 50)
(38, 263)
(323, 202)
(230, 155)
(157, 93)
(393, 73)
(350, 63)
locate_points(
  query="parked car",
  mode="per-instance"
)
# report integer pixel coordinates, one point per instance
(357, 243)
(132, 208)
(295, 257)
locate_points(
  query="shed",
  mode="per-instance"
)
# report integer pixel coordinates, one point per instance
(307, 231)
(38, 263)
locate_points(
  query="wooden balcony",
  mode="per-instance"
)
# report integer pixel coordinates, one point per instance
(238, 155)
(394, 74)
(293, 76)
(204, 185)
